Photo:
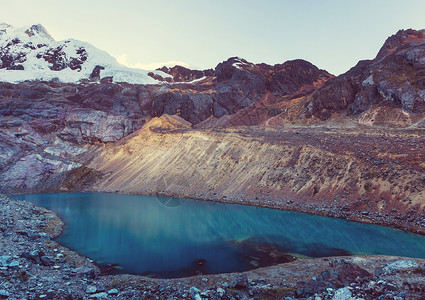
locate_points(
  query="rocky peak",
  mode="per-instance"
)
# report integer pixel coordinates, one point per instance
(402, 37)
(238, 62)
(296, 64)
(38, 29)
(25, 34)
(293, 75)
(392, 82)
(4, 27)
(234, 65)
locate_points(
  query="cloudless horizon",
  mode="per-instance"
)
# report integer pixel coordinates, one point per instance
(333, 35)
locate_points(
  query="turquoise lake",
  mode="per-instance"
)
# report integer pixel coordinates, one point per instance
(169, 237)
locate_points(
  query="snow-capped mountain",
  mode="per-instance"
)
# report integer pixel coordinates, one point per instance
(30, 53)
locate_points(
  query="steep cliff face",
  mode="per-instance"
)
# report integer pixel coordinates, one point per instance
(44, 126)
(236, 85)
(394, 79)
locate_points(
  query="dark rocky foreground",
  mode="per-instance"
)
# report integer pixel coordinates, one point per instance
(33, 266)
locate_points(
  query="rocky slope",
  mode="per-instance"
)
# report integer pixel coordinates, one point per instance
(236, 84)
(386, 91)
(394, 79)
(44, 126)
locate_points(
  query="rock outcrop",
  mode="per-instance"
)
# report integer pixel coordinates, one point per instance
(95, 74)
(44, 126)
(395, 78)
(236, 84)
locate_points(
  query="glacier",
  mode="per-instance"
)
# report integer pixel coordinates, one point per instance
(31, 53)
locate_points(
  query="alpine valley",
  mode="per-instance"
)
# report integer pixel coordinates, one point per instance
(289, 136)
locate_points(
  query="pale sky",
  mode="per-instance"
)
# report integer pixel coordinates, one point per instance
(332, 34)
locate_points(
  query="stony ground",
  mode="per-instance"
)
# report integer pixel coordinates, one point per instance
(33, 266)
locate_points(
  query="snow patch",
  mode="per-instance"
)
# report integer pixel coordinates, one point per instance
(368, 81)
(193, 81)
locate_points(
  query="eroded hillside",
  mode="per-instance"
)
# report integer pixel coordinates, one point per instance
(360, 173)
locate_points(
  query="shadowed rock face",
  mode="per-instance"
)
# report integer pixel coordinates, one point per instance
(235, 84)
(395, 78)
(95, 75)
(108, 111)
(281, 79)
(44, 126)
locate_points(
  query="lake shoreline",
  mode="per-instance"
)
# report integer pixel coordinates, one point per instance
(324, 210)
(52, 270)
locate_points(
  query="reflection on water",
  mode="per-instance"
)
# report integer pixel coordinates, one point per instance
(165, 237)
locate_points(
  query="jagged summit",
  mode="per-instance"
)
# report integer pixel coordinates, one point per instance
(388, 90)
(33, 30)
(38, 30)
(25, 32)
(4, 27)
(402, 37)
(31, 53)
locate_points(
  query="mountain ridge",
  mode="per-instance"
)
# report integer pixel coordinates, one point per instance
(394, 78)
(48, 125)
(33, 52)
